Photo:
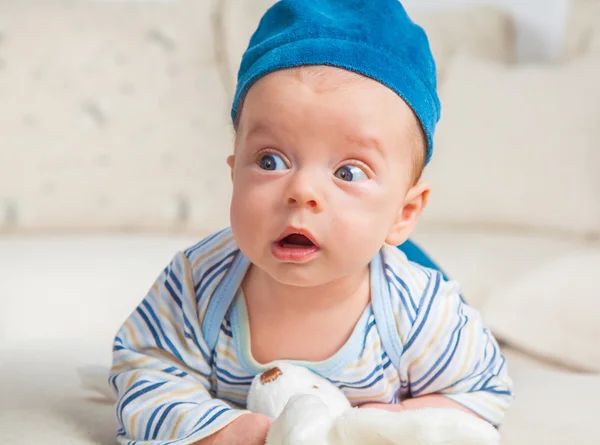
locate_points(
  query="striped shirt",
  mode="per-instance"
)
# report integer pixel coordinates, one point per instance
(174, 388)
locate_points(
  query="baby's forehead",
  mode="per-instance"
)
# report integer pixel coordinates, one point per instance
(337, 84)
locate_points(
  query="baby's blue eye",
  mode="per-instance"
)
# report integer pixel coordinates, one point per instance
(351, 173)
(271, 162)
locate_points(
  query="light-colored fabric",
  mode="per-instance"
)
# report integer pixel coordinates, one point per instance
(81, 286)
(484, 259)
(43, 400)
(172, 386)
(552, 406)
(483, 31)
(553, 311)
(501, 147)
(115, 119)
(583, 29)
(274, 388)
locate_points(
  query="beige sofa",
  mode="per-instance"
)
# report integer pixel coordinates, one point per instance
(112, 156)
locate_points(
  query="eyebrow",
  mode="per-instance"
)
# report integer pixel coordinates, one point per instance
(365, 142)
(259, 128)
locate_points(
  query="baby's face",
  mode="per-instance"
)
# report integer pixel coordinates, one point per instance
(323, 174)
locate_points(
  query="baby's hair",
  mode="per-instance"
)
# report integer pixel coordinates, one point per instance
(419, 153)
(346, 78)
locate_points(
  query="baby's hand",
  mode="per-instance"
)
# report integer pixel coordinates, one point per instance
(249, 429)
(428, 401)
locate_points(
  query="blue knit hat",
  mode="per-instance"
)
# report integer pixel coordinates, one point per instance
(375, 38)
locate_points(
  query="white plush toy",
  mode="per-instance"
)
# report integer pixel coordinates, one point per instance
(309, 410)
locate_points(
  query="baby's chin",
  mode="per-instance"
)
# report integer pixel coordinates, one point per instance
(314, 275)
(299, 275)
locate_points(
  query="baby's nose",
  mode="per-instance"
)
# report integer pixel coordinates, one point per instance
(303, 192)
(311, 203)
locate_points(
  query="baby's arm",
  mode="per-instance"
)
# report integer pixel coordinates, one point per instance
(450, 353)
(451, 360)
(162, 370)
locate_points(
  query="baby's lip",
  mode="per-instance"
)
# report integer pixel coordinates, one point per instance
(297, 231)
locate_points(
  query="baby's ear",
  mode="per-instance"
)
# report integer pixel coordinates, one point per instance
(409, 214)
(231, 163)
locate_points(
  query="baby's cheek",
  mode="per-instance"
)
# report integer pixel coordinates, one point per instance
(378, 217)
(252, 210)
(370, 212)
(363, 228)
(245, 209)
(245, 226)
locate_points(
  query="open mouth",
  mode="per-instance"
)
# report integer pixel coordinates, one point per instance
(295, 246)
(296, 241)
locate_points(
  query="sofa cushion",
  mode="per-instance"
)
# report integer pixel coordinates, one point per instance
(114, 119)
(549, 407)
(482, 31)
(583, 29)
(61, 288)
(483, 261)
(517, 147)
(552, 311)
(44, 400)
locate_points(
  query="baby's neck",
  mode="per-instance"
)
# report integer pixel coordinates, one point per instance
(302, 323)
(351, 290)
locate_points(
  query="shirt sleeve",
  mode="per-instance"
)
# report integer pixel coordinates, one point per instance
(161, 369)
(450, 352)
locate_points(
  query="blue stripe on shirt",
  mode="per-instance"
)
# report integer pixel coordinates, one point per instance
(150, 327)
(423, 321)
(151, 421)
(404, 285)
(462, 321)
(164, 416)
(170, 344)
(209, 276)
(134, 396)
(443, 368)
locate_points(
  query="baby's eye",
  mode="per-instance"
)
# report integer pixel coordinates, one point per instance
(271, 162)
(351, 173)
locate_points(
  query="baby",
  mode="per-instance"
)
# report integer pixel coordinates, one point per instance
(334, 114)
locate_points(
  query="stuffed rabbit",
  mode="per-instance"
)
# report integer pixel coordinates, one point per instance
(309, 410)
